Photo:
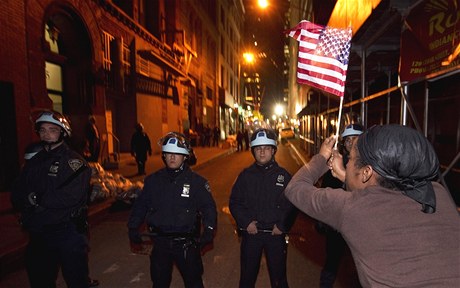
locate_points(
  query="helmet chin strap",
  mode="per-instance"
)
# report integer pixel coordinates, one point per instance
(48, 145)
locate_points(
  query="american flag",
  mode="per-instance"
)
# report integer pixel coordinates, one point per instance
(323, 56)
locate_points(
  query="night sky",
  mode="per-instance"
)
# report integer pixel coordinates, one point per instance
(266, 27)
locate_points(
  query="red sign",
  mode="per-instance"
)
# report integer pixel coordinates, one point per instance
(431, 36)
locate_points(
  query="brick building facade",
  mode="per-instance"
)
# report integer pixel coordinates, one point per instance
(151, 61)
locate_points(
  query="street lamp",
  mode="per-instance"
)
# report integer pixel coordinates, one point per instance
(279, 110)
(249, 57)
(262, 3)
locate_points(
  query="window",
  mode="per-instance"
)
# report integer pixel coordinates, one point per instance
(107, 42)
(222, 76)
(126, 58)
(143, 66)
(222, 45)
(51, 36)
(53, 74)
(209, 93)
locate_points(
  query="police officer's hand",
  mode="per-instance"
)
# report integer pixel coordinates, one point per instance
(276, 230)
(252, 228)
(206, 237)
(136, 248)
(135, 236)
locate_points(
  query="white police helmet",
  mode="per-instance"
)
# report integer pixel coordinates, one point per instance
(353, 130)
(56, 118)
(175, 143)
(262, 137)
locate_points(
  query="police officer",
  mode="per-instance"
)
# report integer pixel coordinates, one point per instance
(52, 194)
(175, 203)
(262, 213)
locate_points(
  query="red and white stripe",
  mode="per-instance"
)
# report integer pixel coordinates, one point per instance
(323, 56)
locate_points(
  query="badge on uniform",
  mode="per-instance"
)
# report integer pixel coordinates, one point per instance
(280, 180)
(185, 191)
(75, 164)
(54, 168)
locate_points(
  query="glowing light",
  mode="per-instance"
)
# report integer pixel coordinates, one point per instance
(279, 110)
(248, 57)
(351, 13)
(262, 3)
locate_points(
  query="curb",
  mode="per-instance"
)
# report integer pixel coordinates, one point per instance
(299, 155)
(210, 160)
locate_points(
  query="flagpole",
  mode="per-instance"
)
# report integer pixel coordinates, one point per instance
(338, 123)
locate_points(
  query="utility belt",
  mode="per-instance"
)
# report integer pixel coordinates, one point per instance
(177, 236)
(174, 240)
(56, 227)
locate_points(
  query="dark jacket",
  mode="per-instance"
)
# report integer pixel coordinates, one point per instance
(258, 195)
(170, 202)
(140, 145)
(60, 180)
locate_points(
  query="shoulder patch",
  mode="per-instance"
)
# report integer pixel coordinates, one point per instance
(75, 164)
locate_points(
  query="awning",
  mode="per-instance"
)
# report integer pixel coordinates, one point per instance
(308, 110)
(154, 57)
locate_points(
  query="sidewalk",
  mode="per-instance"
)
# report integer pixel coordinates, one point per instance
(14, 240)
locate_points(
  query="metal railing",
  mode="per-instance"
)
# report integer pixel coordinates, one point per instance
(107, 156)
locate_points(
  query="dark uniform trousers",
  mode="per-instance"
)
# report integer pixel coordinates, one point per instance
(57, 244)
(182, 251)
(275, 248)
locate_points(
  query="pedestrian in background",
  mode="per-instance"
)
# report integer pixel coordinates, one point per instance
(215, 136)
(246, 139)
(52, 196)
(402, 229)
(92, 140)
(176, 204)
(262, 213)
(335, 244)
(140, 146)
(207, 136)
(239, 140)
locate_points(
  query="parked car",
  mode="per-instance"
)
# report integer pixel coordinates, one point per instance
(286, 133)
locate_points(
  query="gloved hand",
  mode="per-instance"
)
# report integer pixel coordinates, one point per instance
(206, 237)
(134, 236)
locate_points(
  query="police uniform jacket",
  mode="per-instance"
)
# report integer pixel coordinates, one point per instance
(170, 201)
(60, 180)
(258, 195)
